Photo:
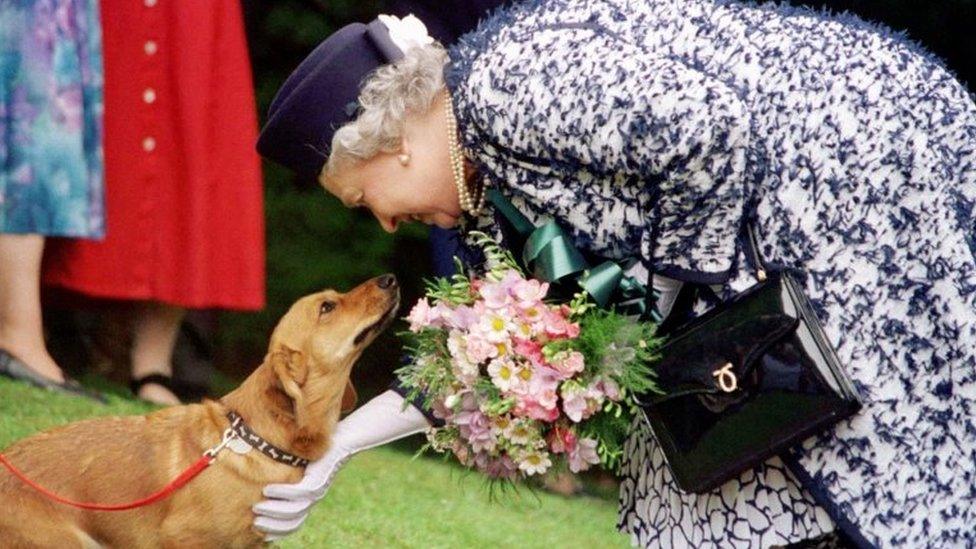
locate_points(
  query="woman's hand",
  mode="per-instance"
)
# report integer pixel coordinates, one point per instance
(377, 422)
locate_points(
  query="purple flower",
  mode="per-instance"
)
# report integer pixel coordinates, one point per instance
(501, 467)
(463, 317)
(475, 427)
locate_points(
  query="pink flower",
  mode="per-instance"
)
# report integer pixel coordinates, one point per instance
(476, 284)
(573, 329)
(424, 316)
(462, 317)
(495, 295)
(439, 315)
(501, 467)
(533, 316)
(420, 315)
(529, 293)
(579, 404)
(526, 406)
(610, 388)
(542, 387)
(561, 439)
(574, 403)
(568, 363)
(462, 452)
(511, 279)
(529, 350)
(483, 443)
(594, 399)
(479, 350)
(556, 325)
(583, 455)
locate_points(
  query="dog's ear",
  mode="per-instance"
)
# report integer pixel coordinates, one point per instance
(291, 369)
(349, 397)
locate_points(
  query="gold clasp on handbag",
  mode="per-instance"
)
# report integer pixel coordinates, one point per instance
(726, 379)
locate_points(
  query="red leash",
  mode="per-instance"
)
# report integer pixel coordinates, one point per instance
(180, 481)
(177, 483)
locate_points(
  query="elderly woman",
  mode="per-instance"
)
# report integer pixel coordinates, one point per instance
(851, 150)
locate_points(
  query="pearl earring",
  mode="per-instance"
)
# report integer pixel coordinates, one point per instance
(404, 159)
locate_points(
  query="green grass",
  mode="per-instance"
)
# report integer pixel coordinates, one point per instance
(382, 498)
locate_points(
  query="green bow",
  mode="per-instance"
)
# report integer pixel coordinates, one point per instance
(549, 255)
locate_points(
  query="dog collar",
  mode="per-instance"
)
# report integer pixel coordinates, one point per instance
(244, 433)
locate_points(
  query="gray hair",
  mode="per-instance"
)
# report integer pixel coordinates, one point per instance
(388, 95)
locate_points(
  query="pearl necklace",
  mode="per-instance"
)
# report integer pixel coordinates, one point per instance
(465, 199)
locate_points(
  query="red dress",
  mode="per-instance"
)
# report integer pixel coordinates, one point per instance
(184, 206)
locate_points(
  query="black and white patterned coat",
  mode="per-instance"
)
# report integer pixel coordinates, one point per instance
(853, 149)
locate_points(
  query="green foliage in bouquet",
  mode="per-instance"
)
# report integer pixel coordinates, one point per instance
(618, 344)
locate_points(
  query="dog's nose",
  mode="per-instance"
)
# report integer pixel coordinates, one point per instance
(386, 281)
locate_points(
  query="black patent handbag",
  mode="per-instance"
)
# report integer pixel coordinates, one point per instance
(744, 381)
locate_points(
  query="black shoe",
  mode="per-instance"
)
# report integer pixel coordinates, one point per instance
(14, 368)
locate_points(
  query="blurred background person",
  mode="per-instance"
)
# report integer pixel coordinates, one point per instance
(51, 166)
(185, 227)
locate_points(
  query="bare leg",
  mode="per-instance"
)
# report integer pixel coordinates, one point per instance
(21, 326)
(154, 335)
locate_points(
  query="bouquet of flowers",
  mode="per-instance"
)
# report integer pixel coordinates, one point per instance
(522, 383)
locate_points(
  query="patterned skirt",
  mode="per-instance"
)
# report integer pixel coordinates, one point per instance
(51, 179)
(763, 508)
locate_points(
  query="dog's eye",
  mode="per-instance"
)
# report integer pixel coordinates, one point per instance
(327, 307)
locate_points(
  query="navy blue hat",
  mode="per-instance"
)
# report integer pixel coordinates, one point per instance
(320, 96)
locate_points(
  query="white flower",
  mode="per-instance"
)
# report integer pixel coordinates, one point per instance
(525, 330)
(521, 432)
(456, 343)
(534, 462)
(407, 33)
(451, 401)
(501, 425)
(464, 370)
(502, 373)
(496, 327)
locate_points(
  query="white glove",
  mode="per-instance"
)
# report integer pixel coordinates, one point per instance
(377, 422)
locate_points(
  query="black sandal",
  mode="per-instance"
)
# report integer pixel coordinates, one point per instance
(159, 379)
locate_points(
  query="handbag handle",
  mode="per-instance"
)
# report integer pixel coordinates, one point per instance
(752, 245)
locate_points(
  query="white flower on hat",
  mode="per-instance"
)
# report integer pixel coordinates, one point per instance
(407, 33)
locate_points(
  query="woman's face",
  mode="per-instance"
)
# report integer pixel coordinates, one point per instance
(420, 189)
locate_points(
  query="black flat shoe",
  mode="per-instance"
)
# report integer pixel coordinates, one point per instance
(14, 368)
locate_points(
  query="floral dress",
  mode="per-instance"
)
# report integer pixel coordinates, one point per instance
(51, 118)
(854, 152)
